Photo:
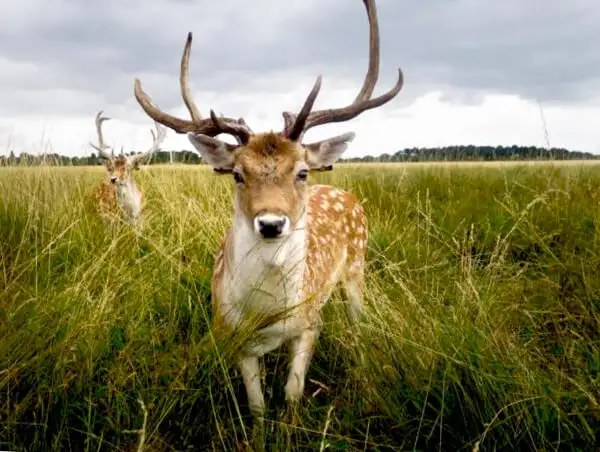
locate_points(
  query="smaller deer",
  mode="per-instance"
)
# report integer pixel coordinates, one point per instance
(118, 193)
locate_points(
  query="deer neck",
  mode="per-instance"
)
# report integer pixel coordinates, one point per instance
(271, 269)
(129, 198)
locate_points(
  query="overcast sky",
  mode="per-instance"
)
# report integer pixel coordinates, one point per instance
(476, 71)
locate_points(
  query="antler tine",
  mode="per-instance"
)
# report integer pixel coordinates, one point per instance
(101, 146)
(363, 100)
(351, 111)
(299, 124)
(177, 124)
(373, 72)
(239, 129)
(183, 81)
(197, 125)
(157, 139)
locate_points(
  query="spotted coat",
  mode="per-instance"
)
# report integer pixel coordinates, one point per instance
(336, 243)
(337, 237)
(106, 199)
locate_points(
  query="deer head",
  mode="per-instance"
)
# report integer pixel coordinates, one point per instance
(119, 168)
(271, 169)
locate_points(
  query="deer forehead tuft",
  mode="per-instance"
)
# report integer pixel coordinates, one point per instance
(269, 156)
(119, 162)
(272, 144)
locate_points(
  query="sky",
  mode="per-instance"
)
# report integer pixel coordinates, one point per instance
(483, 72)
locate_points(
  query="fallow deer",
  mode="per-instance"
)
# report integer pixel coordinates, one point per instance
(290, 242)
(118, 194)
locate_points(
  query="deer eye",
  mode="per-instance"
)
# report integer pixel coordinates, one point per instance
(238, 177)
(302, 175)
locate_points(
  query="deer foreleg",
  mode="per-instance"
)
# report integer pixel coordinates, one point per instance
(250, 370)
(302, 349)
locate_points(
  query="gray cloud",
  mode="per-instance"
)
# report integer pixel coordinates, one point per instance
(70, 57)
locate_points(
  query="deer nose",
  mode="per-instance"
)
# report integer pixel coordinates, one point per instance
(113, 180)
(270, 226)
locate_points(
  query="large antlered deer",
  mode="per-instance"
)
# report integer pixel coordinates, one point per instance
(118, 194)
(290, 243)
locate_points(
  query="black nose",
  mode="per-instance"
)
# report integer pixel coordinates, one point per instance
(113, 180)
(271, 229)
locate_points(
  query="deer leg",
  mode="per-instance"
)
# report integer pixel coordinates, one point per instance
(353, 291)
(302, 349)
(251, 375)
(354, 287)
(107, 222)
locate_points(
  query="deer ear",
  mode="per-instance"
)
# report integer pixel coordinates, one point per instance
(216, 153)
(322, 154)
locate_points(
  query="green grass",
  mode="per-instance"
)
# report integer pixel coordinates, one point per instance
(482, 325)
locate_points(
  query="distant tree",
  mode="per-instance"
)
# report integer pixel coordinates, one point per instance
(446, 153)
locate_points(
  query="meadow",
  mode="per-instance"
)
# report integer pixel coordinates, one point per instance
(481, 328)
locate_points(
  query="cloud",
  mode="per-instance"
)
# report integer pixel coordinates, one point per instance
(475, 70)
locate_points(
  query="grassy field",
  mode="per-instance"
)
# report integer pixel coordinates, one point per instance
(482, 327)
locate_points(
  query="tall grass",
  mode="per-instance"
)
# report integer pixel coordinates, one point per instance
(482, 326)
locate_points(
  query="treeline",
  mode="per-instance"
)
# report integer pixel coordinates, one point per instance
(448, 153)
(475, 153)
(160, 157)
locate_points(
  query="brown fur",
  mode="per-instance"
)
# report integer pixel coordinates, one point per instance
(267, 165)
(106, 199)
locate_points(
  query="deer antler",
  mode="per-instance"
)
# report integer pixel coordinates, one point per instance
(157, 139)
(101, 146)
(197, 125)
(297, 125)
